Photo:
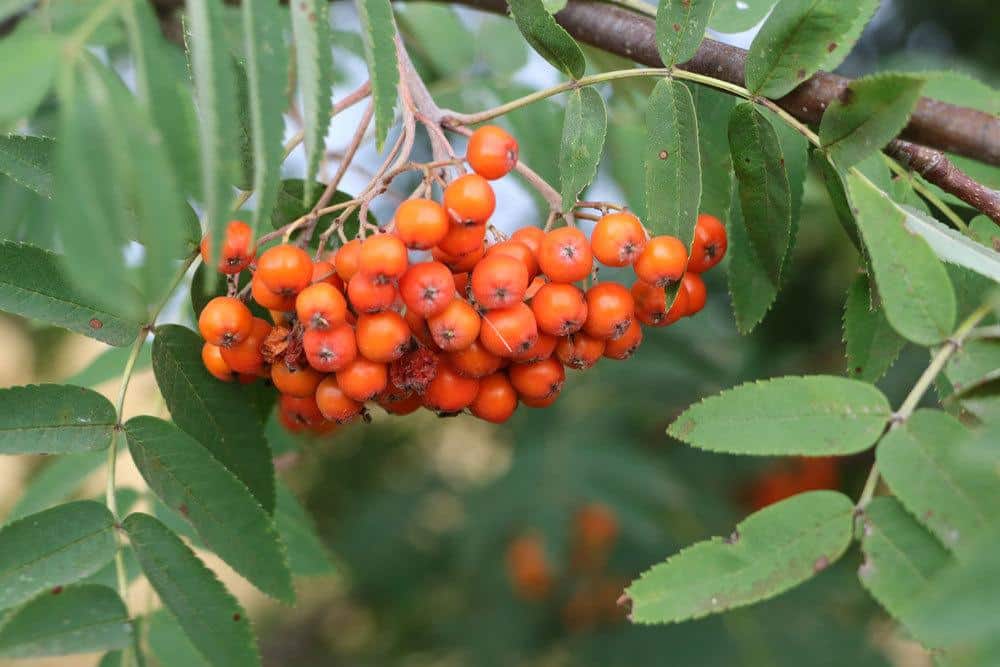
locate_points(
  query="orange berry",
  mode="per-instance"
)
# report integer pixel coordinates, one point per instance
(237, 248)
(456, 327)
(565, 255)
(595, 527)
(491, 152)
(462, 281)
(543, 348)
(334, 404)
(580, 351)
(383, 337)
(618, 239)
(469, 200)
(662, 261)
(697, 295)
(419, 328)
(269, 299)
(449, 391)
(300, 411)
(528, 568)
(462, 240)
(529, 236)
(225, 321)
(560, 309)
(321, 306)
(421, 223)
(285, 269)
(247, 356)
(710, 243)
(623, 347)
(540, 402)
(427, 288)
(368, 295)
(403, 406)
(211, 356)
(496, 400)
(329, 350)
(296, 381)
(347, 258)
(499, 281)
(326, 272)
(509, 331)
(519, 251)
(363, 379)
(537, 380)
(610, 309)
(383, 258)
(650, 302)
(475, 361)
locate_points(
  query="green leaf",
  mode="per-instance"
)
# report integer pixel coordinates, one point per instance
(311, 29)
(216, 414)
(210, 616)
(738, 15)
(672, 161)
(762, 182)
(584, 131)
(76, 619)
(549, 39)
(290, 206)
(169, 644)
(974, 364)
(28, 161)
(901, 558)
(817, 415)
(53, 548)
(54, 419)
(377, 32)
(227, 517)
(266, 69)
(770, 552)
(32, 285)
(795, 42)
(30, 62)
(112, 659)
(868, 115)
(916, 294)
(56, 482)
(713, 108)
(753, 290)
(109, 365)
(428, 29)
(866, 10)
(795, 153)
(215, 94)
(922, 462)
(307, 555)
(9, 8)
(952, 246)
(680, 27)
(872, 345)
(500, 47)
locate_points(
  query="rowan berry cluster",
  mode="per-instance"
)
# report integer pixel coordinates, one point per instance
(478, 325)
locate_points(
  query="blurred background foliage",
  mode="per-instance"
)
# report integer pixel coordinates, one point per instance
(420, 515)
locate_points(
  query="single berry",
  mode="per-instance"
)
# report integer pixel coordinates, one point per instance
(363, 379)
(529, 236)
(334, 404)
(469, 200)
(496, 400)
(211, 357)
(462, 240)
(475, 361)
(347, 258)
(325, 272)
(623, 347)
(560, 309)
(662, 261)
(456, 327)
(330, 350)
(285, 269)
(270, 299)
(519, 251)
(610, 309)
(247, 356)
(499, 281)
(580, 351)
(383, 258)
(301, 411)
(491, 152)
(382, 337)
(543, 348)
(449, 391)
(509, 331)
(321, 306)
(537, 380)
(225, 321)
(710, 243)
(459, 263)
(369, 295)
(237, 248)
(618, 239)
(421, 223)
(296, 381)
(565, 255)
(427, 288)
(694, 286)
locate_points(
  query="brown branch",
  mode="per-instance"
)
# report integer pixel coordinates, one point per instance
(935, 167)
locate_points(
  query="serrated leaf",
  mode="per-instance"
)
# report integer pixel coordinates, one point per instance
(974, 364)
(215, 413)
(838, 198)
(762, 183)
(770, 552)
(30, 62)
(307, 556)
(215, 94)
(817, 415)
(713, 108)
(916, 294)
(901, 557)
(429, 28)
(227, 517)
(55, 482)
(109, 365)
(266, 69)
(377, 31)
(54, 419)
(549, 39)
(32, 285)
(672, 161)
(76, 619)
(952, 246)
(112, 659)
(738, 15)
(53, 548)
(866, 10)
(584, 130)
(868, 115)
(922, 462)
(795, 153)
(28, 161)
(753, 290)
(210, 616)
(9, 8)
(680, 27)
(311, 29)
(871, 344)
(169, 644)
(795, 42)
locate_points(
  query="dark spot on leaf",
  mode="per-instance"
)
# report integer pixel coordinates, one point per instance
(733, 538)
(96, 323)
(801, 74)
(183, 509)
(831, 47)
(677, 27)
(782, 162)
(663, 155)
(854, 211)
(847, 96)
(821, 564)
(236, 617)
(57, 590)
(857, 369)
(928, 514)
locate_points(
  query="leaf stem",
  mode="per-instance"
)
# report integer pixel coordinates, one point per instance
(927, 194)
